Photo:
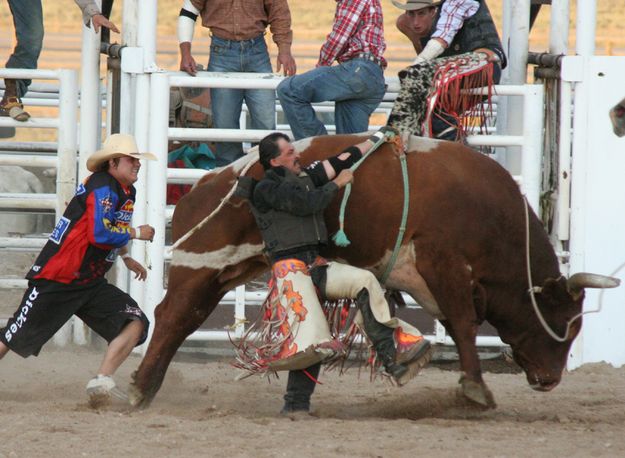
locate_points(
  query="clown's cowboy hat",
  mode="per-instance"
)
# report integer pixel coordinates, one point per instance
(116, 145)
(415, 4)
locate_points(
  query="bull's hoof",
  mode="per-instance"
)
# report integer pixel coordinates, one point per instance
(477, 393)
(136, 398)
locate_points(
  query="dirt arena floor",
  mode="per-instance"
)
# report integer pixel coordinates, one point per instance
(201, 411)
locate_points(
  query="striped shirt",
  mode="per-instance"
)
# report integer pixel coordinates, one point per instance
(358, 28)
(452, 17)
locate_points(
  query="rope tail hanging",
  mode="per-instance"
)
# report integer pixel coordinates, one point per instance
(340, 238)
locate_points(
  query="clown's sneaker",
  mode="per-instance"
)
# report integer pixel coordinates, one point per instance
(101, 388)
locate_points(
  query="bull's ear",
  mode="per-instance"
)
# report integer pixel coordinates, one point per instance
(554, 289)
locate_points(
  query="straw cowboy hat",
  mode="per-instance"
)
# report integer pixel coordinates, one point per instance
(116, 145)
(415, 4)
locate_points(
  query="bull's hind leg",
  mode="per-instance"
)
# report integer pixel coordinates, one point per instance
(182, 311)
(449, 279)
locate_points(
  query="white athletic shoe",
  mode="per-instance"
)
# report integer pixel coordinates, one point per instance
(101, 388)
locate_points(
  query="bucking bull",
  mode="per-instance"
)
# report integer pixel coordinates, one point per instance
(463, 256)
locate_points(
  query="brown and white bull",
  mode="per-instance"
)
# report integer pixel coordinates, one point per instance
(462, 258)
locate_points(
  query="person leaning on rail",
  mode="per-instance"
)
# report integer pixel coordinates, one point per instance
(457, 48)
(356, 83)
(288, 204)
(238, 45)
(28, 21)
(67, 277)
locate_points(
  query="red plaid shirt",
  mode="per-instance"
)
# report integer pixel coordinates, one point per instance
(358, 28)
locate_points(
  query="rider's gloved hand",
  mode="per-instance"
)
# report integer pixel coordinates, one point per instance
(385, 131)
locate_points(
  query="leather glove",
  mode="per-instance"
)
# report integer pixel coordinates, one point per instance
(432, 50)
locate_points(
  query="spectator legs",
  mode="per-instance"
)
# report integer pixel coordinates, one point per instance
(28, 21)
(357, 87)
(240, 56)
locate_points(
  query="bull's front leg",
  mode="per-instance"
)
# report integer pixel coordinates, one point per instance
(472, 385)
(182, 311)
(449, 279)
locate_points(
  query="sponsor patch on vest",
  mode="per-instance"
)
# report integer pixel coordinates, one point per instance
(59, 231)
(80, 189)
(124, 214)
(106, 203)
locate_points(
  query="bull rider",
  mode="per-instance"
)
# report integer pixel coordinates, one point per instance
(288, 204)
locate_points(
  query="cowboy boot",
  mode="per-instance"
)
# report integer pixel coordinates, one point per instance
(299, 389)
(11, 105)
(402, 365)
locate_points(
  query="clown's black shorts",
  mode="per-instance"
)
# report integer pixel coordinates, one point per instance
(47, 306)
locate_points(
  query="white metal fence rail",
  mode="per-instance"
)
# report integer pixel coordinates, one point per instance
(64, 162)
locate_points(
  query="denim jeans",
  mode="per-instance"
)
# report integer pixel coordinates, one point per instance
(28, 21)
(356, 87)
(240, 56)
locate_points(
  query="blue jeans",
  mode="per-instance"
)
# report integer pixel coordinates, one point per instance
(240, 56)
(356, 87)
(28, 21)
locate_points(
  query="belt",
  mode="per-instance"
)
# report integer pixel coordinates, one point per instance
(370, 57)
(249, 41)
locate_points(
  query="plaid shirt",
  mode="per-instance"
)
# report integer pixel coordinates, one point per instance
(358, 28)
(453, 15)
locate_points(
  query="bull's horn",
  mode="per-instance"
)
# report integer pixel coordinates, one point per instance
(585, 280)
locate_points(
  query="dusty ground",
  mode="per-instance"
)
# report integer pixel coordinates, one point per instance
(200, 411)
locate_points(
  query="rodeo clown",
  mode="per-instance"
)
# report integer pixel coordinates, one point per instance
(288, 204)
(458, 49)
(68, 276)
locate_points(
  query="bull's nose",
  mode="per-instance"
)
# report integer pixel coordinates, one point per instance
(544, 387)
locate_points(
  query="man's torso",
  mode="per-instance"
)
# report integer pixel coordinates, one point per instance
(294, 228)
(236, 19)
(478, 31)
(83, 245)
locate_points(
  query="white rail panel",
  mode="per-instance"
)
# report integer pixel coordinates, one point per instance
(65, 161)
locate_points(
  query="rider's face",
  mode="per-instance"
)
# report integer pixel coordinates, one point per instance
(288, 158)
(421, 21)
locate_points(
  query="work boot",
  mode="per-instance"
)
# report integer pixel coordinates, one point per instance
(299, 389)
(11, 105)
(401, 354)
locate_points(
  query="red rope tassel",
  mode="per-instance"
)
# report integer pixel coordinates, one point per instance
(450, 94)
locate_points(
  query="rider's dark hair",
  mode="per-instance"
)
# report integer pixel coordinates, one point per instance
(268, 148)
